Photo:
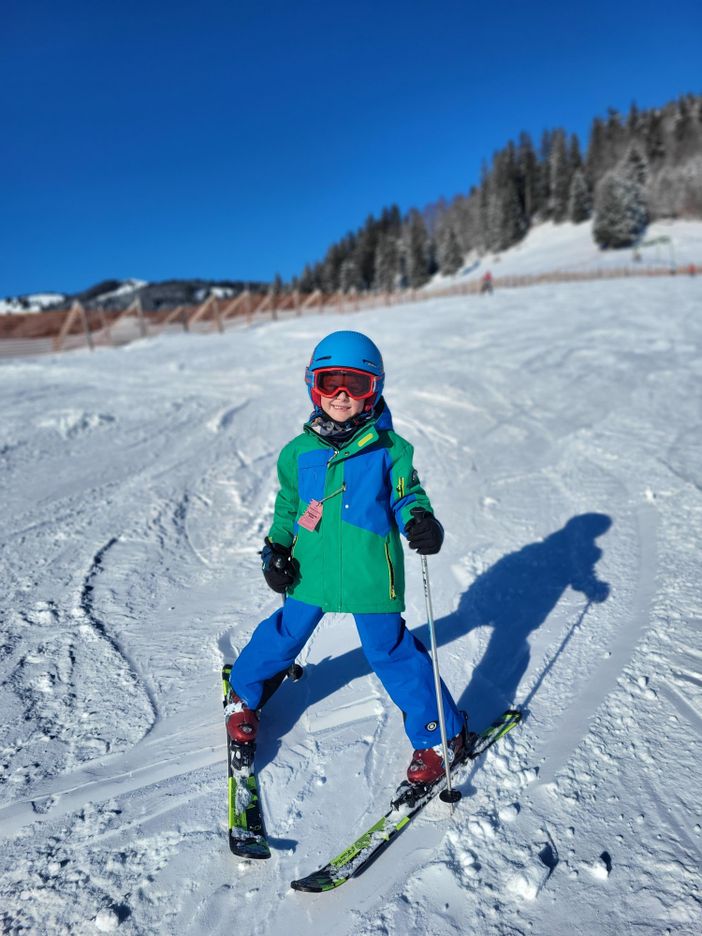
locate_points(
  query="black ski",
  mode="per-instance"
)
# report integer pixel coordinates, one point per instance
(409, 799)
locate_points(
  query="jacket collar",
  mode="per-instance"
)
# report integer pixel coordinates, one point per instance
(364, 436)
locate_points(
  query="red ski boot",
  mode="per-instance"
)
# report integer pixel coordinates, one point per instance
(427, 765)
(241, 722)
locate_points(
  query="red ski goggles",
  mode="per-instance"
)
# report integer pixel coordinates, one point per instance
(328, 381)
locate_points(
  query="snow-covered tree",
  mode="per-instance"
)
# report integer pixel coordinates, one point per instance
(331, 268)
(659, 150)
(633, 121)
(635, 165)
(448, 249)
(621, 214)
(579, 200)
(676, 191)
(387, 263)
(507, 224)
(349, 275)
(596, 158)
(654, 139)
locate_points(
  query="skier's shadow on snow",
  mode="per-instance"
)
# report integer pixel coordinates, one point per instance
(513, 597)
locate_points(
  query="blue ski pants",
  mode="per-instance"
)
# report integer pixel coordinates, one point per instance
(399, 660)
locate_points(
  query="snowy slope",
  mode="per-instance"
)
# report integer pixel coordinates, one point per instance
(568, 247)
(36, 302)
(39, 302)
(558, 431)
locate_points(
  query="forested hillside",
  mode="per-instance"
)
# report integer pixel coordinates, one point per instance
(636, 168)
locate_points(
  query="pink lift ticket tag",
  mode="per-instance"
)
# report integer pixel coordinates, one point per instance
(312, 515)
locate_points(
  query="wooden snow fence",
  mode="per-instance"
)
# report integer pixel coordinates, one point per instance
(68, 329)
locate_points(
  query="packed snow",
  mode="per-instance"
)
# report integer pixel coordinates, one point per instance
(558, 432)
(570, 248)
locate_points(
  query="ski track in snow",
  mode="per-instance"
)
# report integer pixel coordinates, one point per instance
(558, 433)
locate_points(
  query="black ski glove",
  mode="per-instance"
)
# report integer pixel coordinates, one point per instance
(424, 532)
(279, 568)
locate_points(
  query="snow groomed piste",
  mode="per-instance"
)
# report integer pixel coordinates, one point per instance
(558, 435)
(408, 801)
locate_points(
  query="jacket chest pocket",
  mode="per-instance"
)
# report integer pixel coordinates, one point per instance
(311, 476)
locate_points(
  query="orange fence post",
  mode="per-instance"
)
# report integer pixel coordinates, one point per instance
(67, 325)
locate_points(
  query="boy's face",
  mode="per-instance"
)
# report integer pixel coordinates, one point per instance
(342, 407)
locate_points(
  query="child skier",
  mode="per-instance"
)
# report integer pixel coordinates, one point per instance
(347, 489)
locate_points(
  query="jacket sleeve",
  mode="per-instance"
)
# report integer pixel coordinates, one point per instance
(407, 491)
(287, 500)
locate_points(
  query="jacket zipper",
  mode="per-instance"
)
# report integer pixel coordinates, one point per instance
(340, 490)
(391, 571)
(334, 493)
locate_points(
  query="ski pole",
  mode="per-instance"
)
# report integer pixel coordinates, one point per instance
(448, 795)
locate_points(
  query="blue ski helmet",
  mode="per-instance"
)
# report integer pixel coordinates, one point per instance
(347, 349)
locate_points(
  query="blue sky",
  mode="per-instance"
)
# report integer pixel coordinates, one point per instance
(224, 139)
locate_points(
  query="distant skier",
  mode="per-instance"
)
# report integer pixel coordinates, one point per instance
(486, 283)
(348, 488)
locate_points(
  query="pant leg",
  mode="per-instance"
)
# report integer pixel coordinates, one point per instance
(273, 647)
(404, 667)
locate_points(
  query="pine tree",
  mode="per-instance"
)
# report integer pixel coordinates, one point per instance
(595, 159)
(331, 268)
(449, 253)
(635, 165)
(391, 221)
(417, 250)
(656, 151)
(507, 224)
(387, 262)
(580, 200)
(349, 275)
(654, 139)
(633, 121)
(682, 119)
(615, 138)
(528, 175)
(560, 177)
(364, 253)
(465, 217)
(575, 159)
(683, 124)
(432, 262)
(307, 282)
(484, 193)
(544, 190)
(620, 212)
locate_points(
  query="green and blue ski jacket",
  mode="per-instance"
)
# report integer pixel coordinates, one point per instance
(353, 560)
